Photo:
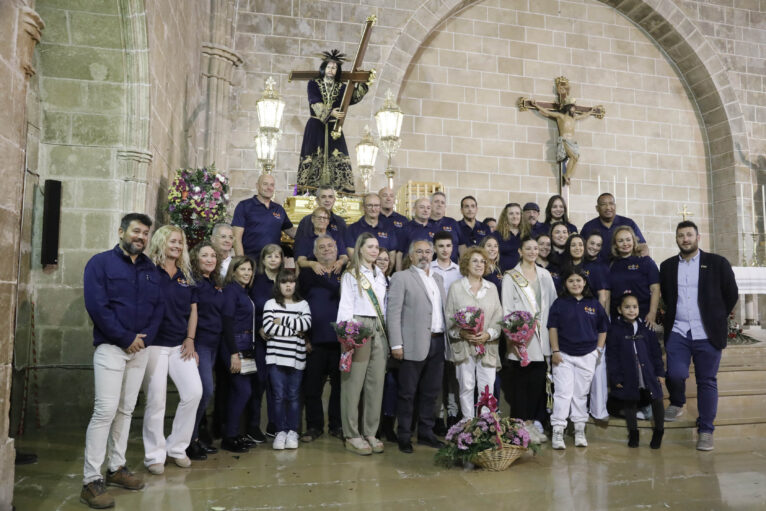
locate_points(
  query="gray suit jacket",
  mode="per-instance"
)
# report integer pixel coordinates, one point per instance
(409, 312)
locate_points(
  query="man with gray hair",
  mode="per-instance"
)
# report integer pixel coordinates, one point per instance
(325, 197)
(421, 227)
(415, 300)
(222, 240)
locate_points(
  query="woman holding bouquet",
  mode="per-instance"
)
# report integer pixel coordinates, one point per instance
(473, 351)
(529, 288)
(363, 299)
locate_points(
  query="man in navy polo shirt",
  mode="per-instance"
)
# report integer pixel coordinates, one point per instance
(471, 230)
(122, 297)
(607, 221)
(372, 223)
(325, 198)
(446, 223)
(421, 227)
(259, 221)
(531, 213)
(387, 200)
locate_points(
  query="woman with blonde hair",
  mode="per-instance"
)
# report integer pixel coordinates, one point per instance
(511, 227)
(363, 288)
(630, 271)
(172, 354)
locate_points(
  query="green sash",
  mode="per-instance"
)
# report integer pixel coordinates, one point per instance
(365, 284)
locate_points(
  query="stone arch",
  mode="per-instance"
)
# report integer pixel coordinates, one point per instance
(698, 66)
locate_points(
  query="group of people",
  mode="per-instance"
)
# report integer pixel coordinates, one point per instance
(240, 317)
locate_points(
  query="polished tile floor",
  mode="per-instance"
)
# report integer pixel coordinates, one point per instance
(607, 475)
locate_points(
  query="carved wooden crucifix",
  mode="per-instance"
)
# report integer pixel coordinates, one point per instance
(351, 78)
(565, 113)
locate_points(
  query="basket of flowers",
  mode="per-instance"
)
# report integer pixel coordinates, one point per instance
(488, 440)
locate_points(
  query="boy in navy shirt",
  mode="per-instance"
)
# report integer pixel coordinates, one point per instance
(122, 297)
(577, 326)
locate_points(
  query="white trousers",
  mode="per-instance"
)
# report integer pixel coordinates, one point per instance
(572, 379)
(117, 379)
(471, 375)
(598, 391)
(164, 361)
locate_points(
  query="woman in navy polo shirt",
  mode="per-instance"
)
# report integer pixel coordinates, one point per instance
(238, 321)
(304, 245)
(557, 211)
(559, 235)
(271, 262)
(508, 235)
(593, 264)
(206, 270)
(544, 252)
(495, 274)
(634, 273)
(172, 353)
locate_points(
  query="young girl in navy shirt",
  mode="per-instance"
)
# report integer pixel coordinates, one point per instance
(286, 319)
(636, 371)
(577, 326)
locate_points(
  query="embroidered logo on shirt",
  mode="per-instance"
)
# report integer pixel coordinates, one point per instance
(277, 214)
(430, 234)
(481, 232)
(382, 234)
(633, 266)
(398, 223)
(446, 228)
(590, 310)
(182, 282)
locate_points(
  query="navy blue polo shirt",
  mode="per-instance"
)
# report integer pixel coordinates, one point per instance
(123, 298)
(322, 292)
(413, 231)
(448, 224)
(578, 323)
(179, 296)
(555, 275)
(595, 225)
(304, 245)
(509, 250)
(337, 225)
(395, 219)
(598, 275)
(261, 292)
(496, 277)
(209, 312)
(262, 225)
(386, 234)
(633, 274)
(238, 310)
(545, 228)
(472, 236)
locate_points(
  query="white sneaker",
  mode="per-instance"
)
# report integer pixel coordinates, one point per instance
(580, 440)
(292, 440)
(540, 432)
(557, 439)
(279, 441)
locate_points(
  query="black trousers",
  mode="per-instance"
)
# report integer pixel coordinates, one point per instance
(421, 381)
(525, 390)
(631, 407)
(321, 365)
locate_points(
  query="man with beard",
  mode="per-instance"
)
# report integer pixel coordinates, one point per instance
(416, 325)
(700, 291)
(122, 297)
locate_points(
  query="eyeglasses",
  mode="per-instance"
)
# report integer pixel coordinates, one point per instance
(322, 217)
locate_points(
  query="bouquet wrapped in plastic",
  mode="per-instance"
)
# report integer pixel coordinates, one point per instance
(352, 335)
(519, 327)
(471, 319)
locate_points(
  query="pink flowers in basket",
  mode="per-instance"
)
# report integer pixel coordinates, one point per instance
(519, 327)
(352, 335)
(472, 319)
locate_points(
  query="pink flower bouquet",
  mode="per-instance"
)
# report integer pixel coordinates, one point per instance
(352, 335)
(519, 327)
(471, 319)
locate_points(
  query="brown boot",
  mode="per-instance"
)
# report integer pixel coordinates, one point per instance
(95, 495)
(124, 478)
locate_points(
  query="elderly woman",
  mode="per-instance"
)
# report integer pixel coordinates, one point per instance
(474, 370)
(304, 245)
(530, 288)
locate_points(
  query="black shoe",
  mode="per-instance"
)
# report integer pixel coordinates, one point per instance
(233, 444)
(271, 430)
(336, 432)
(632, 438)
(452, 420)
(25, 458)
(431, 441)
(195, 451)
(656, 442)
(406, 447)
(246, 441)
(256, 435)
(439, 429)
(205, 437)
(387, 429)
(209, 449)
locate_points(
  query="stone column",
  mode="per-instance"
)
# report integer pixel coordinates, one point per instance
(22, 28)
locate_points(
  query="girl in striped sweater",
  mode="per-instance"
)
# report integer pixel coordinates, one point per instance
(286, 319)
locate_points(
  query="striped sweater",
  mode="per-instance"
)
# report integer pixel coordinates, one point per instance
(284, 347)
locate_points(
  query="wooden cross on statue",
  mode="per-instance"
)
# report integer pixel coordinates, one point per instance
(351, 78)
(565, 113)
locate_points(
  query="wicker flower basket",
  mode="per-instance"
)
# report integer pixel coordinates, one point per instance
(498, 460)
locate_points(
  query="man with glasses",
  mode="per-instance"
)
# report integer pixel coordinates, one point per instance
(372, 223)
(325, 198)
(304, 245)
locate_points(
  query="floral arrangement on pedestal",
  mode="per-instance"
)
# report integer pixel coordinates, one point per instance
(197, 201)
(488, 440)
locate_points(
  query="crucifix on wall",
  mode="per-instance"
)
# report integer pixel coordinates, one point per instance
(565, 113)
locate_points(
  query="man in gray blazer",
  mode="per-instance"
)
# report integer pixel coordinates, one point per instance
(416, 326)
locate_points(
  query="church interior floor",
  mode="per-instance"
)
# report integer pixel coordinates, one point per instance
(605, 475)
